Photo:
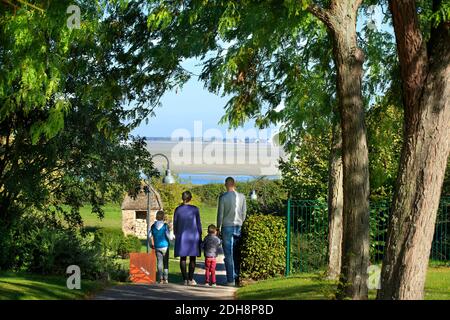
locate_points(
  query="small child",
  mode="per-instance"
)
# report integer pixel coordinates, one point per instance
(162, 235)
(211, 245)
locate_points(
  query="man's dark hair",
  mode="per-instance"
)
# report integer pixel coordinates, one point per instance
(212, 229)
(186, 196)
(230, 181)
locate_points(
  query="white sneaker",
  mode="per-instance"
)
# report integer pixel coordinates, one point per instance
(185, 282)
(192, 283)
(214, 285)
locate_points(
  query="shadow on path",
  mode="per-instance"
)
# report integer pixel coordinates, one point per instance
(175, 291)
(166, 292)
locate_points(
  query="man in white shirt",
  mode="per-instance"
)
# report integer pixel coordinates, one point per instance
(231, 214)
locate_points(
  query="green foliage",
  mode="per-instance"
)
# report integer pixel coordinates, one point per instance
(379, 217)
(64, 127)
(209, 193)
(43, 244)
(263, 247)
(115, 244)
(384, 130)
(171, 195)
(271, 194)
(306, 174)
(441, 14)
(446, 185)
(309, 235)
(132, 244)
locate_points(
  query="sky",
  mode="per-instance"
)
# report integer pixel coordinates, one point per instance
(180, 109)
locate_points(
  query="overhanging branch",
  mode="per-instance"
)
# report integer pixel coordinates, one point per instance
(320, 13)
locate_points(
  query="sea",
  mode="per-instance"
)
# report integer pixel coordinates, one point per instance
(199, 179)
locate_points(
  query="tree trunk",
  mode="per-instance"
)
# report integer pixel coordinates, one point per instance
(340, 19)
(426, 96)
(355, 241)
(335, 204)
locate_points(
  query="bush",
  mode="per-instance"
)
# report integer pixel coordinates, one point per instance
(132, 244)
(271, 195)
(110, 240)
(263, 247)
(45, 246)
(115, 244)
(171, 195)
(209, 193)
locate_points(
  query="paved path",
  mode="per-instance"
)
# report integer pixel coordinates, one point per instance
(174, 291)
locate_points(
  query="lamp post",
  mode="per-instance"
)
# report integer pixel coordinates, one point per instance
(168, 179)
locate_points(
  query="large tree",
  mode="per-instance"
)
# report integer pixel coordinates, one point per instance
(424, 58)
(64, 122)
(250, 50)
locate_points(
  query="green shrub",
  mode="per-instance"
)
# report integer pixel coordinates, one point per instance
(272, 196)
(41, 245)
(263, 247)
(132, 244)
(309, 252)
(115, 244)
(112, 241)
(209, 193)
(171, 195)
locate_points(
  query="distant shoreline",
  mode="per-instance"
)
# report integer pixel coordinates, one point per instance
(244, 159)
(201, 179)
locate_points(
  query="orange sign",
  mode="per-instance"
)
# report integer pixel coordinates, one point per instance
(143, 267)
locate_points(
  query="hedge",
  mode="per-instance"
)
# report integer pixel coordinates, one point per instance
(272, 196)
(263, 247)
(115, 243)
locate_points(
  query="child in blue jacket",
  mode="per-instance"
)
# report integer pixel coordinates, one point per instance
(161, 235)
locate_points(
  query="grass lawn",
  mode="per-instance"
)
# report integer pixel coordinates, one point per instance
(23, 286)
(437, 286)
(314, 287)
(112, 218)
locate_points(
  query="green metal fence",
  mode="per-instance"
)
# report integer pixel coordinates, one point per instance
(307, 234)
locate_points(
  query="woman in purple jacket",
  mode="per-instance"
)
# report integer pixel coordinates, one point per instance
(188, 234)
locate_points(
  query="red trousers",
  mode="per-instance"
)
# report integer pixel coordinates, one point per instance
(210, 269)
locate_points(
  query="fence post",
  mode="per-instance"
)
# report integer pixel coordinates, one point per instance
(288, 237)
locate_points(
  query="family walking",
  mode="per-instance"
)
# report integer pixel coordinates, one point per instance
(187, 232)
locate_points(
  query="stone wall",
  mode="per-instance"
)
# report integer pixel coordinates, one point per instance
(128, 222)
(133, 226)
(141, 228)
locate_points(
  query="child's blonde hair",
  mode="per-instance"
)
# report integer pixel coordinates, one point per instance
(160, 215)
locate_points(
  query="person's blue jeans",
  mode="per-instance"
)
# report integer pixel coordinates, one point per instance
(230, 244)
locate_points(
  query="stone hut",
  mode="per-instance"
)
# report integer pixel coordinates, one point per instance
(134, 213)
